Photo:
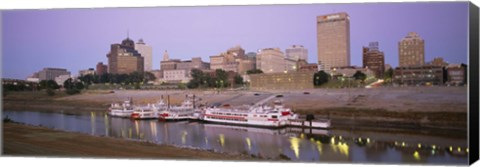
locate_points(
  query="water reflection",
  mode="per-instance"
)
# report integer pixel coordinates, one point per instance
(295, 143)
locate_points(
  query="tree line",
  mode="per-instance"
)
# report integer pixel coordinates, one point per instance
(220, 79)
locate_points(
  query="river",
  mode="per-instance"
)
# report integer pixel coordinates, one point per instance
(296, 144)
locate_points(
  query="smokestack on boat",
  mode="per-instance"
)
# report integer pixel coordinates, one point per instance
(193, 100)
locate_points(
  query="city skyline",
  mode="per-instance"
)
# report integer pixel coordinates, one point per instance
(73, 39)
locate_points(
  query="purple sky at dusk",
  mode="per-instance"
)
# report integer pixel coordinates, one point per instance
(78, 39)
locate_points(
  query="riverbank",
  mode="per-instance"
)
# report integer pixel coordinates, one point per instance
(409, 107)
(24, 140)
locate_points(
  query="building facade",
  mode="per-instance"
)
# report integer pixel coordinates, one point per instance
(51, 73)
(457, 74)
(89, 71)
(296, 52)
(438, 61)
(146, 52)
(374, 59)
(411, 50)
(176, 76)
(419, 75)
(234, 59)
(304, 66)
(282, 81)
(195, 63)
(124, 59)
(101, 68)
(333, 40)
(61, 79)
(271, 60)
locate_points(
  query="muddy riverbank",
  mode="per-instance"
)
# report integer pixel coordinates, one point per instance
(24, 140)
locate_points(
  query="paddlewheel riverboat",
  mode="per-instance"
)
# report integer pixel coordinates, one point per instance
(121, 110)
(257, 115)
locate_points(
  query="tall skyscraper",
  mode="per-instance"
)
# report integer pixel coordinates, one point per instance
(124, 59)
(333, 40)
(146, 52)
(296, 52)
(374, 59)
(411, 50)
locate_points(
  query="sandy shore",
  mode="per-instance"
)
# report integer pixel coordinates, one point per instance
(23, 140)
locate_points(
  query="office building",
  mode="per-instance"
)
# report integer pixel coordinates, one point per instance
(457, 74)
(411, 50)
(271, 60)
(333, 40)
(146, 52)
(282, 81)
(296, 52)
(374, 59)
(124, 59)
(438, 61)
(51, 73)
(419, 75)
(101, 68)
(89, 71)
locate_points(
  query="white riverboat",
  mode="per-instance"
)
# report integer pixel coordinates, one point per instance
(177, 113)
(258, 115)
(121, 110)
(145, 112)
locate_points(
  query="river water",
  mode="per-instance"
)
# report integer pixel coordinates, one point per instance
(336, 145)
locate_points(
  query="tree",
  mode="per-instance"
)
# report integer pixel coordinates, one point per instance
(148, 76)
(68, 84)
(320, 78)
(359, 76)
(388, 75)
(254, 71)
(238, 79)
(197, 78)
(222, 77)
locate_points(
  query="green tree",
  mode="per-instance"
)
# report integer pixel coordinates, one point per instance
(222, 77)
(197, 80)
(320, 78)
(238, 79)
(360, 76)
(148, 76)
(388, 75)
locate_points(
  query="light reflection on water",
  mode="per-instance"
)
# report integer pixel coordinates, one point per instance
(292, 143)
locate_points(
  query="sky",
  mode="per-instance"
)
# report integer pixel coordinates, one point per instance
(78, 39)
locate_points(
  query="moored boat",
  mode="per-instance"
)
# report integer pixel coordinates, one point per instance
(258, 115)
(121, 110)
(145, 112)
(185, 111)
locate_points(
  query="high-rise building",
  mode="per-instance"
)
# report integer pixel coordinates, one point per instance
(411, 50)
(52, 73)
(271, 60)
(333, 40)
(101, 68)
(124, 59)
(146, 52)
(374, 59)
(296, 52)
